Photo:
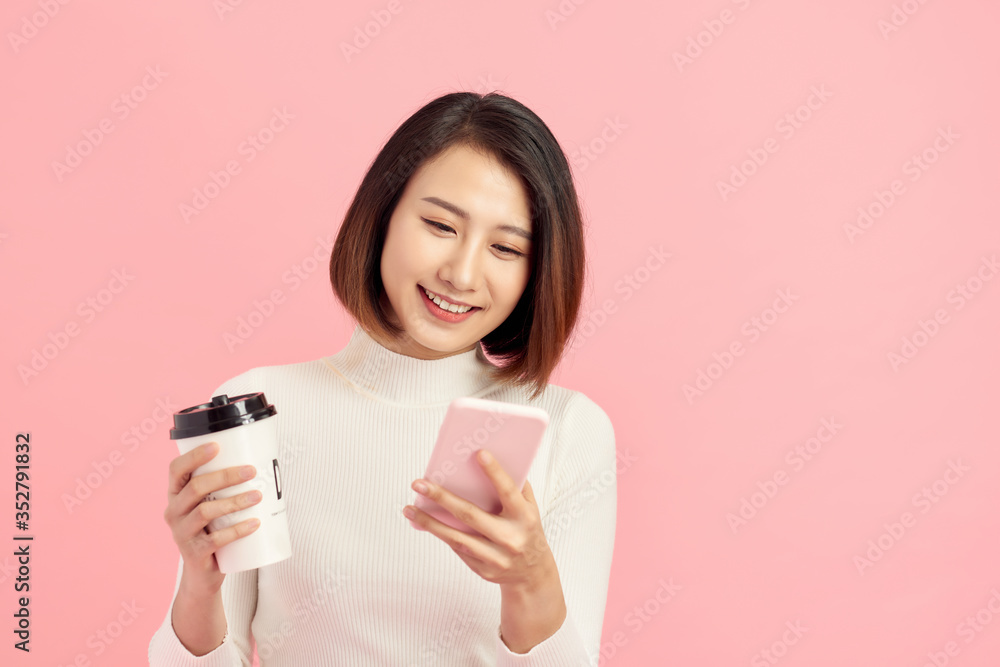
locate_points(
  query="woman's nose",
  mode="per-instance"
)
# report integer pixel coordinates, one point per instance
(463, 270)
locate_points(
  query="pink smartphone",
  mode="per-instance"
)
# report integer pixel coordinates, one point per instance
(511, 432)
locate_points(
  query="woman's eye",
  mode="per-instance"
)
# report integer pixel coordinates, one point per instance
(445, 228)
(509, 251)
(438, 225)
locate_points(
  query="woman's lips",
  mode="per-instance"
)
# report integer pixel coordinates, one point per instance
(442, 314)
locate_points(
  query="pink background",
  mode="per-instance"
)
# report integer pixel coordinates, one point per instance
(660, 134)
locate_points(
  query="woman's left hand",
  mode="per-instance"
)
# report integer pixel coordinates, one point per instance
(513, 550)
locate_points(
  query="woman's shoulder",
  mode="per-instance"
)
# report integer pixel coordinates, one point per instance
(581, 441)
(274, 378)
(567, 408)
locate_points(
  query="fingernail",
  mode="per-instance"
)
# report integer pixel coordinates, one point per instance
(246, 472)
(484, 456)
(420, 488)
(408, 513)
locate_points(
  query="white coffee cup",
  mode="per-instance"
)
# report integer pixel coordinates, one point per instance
(245, 428)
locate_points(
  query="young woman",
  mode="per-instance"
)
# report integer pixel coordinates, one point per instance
(463, 245)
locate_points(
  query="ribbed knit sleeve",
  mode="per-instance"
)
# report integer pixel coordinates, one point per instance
(239, 600)
(579, 524)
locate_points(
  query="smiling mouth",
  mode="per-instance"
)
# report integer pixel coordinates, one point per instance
(424, 291)
(440, 313)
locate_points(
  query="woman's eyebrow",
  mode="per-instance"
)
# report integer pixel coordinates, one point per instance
(462, 213)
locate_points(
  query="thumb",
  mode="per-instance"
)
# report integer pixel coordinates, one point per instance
(528, 492)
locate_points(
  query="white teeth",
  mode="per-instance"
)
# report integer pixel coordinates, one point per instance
(445, 305)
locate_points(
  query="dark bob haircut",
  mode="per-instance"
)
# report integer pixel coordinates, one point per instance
(531, 341)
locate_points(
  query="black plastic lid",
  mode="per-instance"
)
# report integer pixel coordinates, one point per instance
(222, 413)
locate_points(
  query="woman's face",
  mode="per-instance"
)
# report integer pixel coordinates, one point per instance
(461, 229)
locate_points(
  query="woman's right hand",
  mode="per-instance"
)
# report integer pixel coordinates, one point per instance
(188, 517)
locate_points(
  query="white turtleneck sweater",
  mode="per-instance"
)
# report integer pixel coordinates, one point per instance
(363, 587)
